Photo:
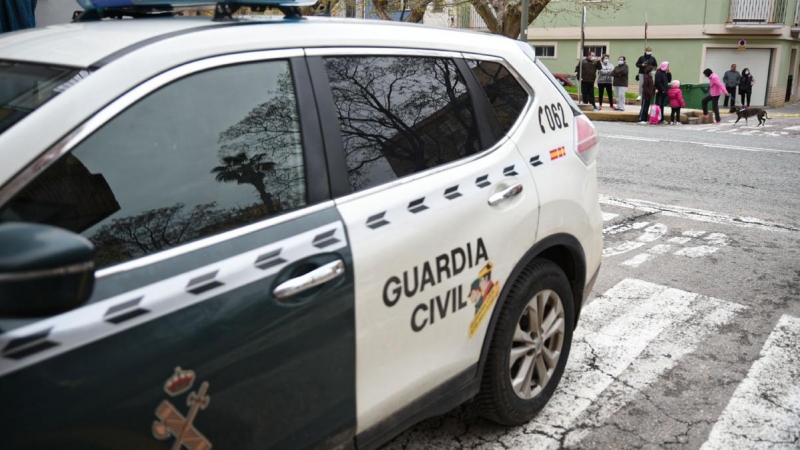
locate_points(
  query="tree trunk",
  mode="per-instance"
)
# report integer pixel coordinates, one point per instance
(266, 197)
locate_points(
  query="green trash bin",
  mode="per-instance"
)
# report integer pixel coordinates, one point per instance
(693, 94)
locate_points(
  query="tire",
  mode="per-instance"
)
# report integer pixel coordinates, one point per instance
(498, 399)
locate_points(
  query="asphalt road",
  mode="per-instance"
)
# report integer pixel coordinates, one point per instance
(692, 339)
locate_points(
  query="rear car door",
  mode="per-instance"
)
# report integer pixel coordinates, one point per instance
(222, 313)
(439, 207)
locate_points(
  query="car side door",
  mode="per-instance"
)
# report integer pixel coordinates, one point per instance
(223, 308)
(439, 207)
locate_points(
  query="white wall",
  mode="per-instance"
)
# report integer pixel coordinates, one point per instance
(51, 12)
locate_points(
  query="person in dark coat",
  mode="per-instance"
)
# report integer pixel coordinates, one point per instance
(644, 61)
(731, 80)
(662, 81)
(587, 70)
(746, 87)
(648, 92)
(620, 74)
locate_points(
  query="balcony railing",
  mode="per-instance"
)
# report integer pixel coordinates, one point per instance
(467, 17)
(758, 12)
(797, 16)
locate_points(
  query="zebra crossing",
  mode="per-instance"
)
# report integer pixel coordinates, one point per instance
(631, 337)
(764, 412)
(635, 337)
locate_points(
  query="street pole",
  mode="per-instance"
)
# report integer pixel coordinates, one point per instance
(645, 29)
(580, 54)
(523, 22)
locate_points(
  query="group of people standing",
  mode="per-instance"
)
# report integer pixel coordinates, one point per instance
(656, 86)
(742, 82)
(607, 75)
(730, 82)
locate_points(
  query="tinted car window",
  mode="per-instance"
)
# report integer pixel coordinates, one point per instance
(507, 96)
(25, 87)
(400, 115)
(205, 154)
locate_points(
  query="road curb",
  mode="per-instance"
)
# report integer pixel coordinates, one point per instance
(633, 116)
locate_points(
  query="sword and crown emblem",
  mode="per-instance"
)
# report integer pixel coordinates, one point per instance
(172, 423)
(180, 382)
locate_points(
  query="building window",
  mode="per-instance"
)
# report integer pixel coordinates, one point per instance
(545, 51)
(599, 50)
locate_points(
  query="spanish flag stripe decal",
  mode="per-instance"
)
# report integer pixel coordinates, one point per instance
(558, 153)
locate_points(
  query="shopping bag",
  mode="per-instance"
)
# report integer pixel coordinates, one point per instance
(655, 114)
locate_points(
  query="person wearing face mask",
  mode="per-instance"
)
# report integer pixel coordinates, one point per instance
(662, 80)
(716, 90)
(587, 70)
(644, 61)
(604, 80)
(648, 92)
(620, 76)
(746, 87)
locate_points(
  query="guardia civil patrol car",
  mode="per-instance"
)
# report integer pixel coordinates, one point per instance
(281, 232)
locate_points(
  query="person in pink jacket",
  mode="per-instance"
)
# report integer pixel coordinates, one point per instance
(675, 102)
(717, 89)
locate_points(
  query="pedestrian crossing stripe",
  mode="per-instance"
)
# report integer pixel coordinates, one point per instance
(626, 339)
(764, 411)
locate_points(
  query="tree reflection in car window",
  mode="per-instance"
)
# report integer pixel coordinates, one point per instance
(507, 96)
(400, 115)
(205, 154)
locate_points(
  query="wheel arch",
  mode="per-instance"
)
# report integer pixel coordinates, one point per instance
(564, 250)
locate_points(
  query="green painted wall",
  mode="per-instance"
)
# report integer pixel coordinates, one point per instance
(673, 12)
(684, 56)
(666, 12)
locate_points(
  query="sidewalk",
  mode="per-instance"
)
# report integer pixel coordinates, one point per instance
(631, 114)
(688, 116)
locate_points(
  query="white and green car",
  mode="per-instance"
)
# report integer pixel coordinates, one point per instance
(281, 233)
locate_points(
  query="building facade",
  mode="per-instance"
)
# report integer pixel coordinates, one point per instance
(691, 34)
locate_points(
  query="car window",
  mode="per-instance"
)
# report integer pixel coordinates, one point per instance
(25, 87)
(205, 154)
(400, 115)
(507, 96)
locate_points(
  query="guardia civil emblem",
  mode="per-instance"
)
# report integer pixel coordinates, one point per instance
(171, 423)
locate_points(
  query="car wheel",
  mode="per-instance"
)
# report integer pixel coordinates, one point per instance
(530, 346)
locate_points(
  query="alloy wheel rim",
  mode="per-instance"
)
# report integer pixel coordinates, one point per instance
(537, 343)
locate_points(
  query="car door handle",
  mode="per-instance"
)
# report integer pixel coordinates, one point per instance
(316, 277)
(505, 194)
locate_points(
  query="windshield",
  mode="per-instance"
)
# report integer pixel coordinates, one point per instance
(25, 87)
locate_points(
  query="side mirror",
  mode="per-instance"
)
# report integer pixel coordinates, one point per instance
(44, 270)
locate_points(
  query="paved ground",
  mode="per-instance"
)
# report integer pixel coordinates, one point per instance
(693, 337)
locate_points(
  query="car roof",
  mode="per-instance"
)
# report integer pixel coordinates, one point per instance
(87, 43)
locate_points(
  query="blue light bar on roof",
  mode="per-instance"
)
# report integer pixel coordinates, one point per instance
(117, 4)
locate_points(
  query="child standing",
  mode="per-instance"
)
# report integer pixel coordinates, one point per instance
(648, 92)
(675, 101)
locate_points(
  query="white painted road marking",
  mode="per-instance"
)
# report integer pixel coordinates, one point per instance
(703, 144)
(764, 411)
(627, 339)
(621, 228)
(609, 216)
(694, 214)
(710, 243)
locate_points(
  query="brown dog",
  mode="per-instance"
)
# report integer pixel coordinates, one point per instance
(750, 112)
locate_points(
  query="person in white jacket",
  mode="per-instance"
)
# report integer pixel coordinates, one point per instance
(604, 81)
